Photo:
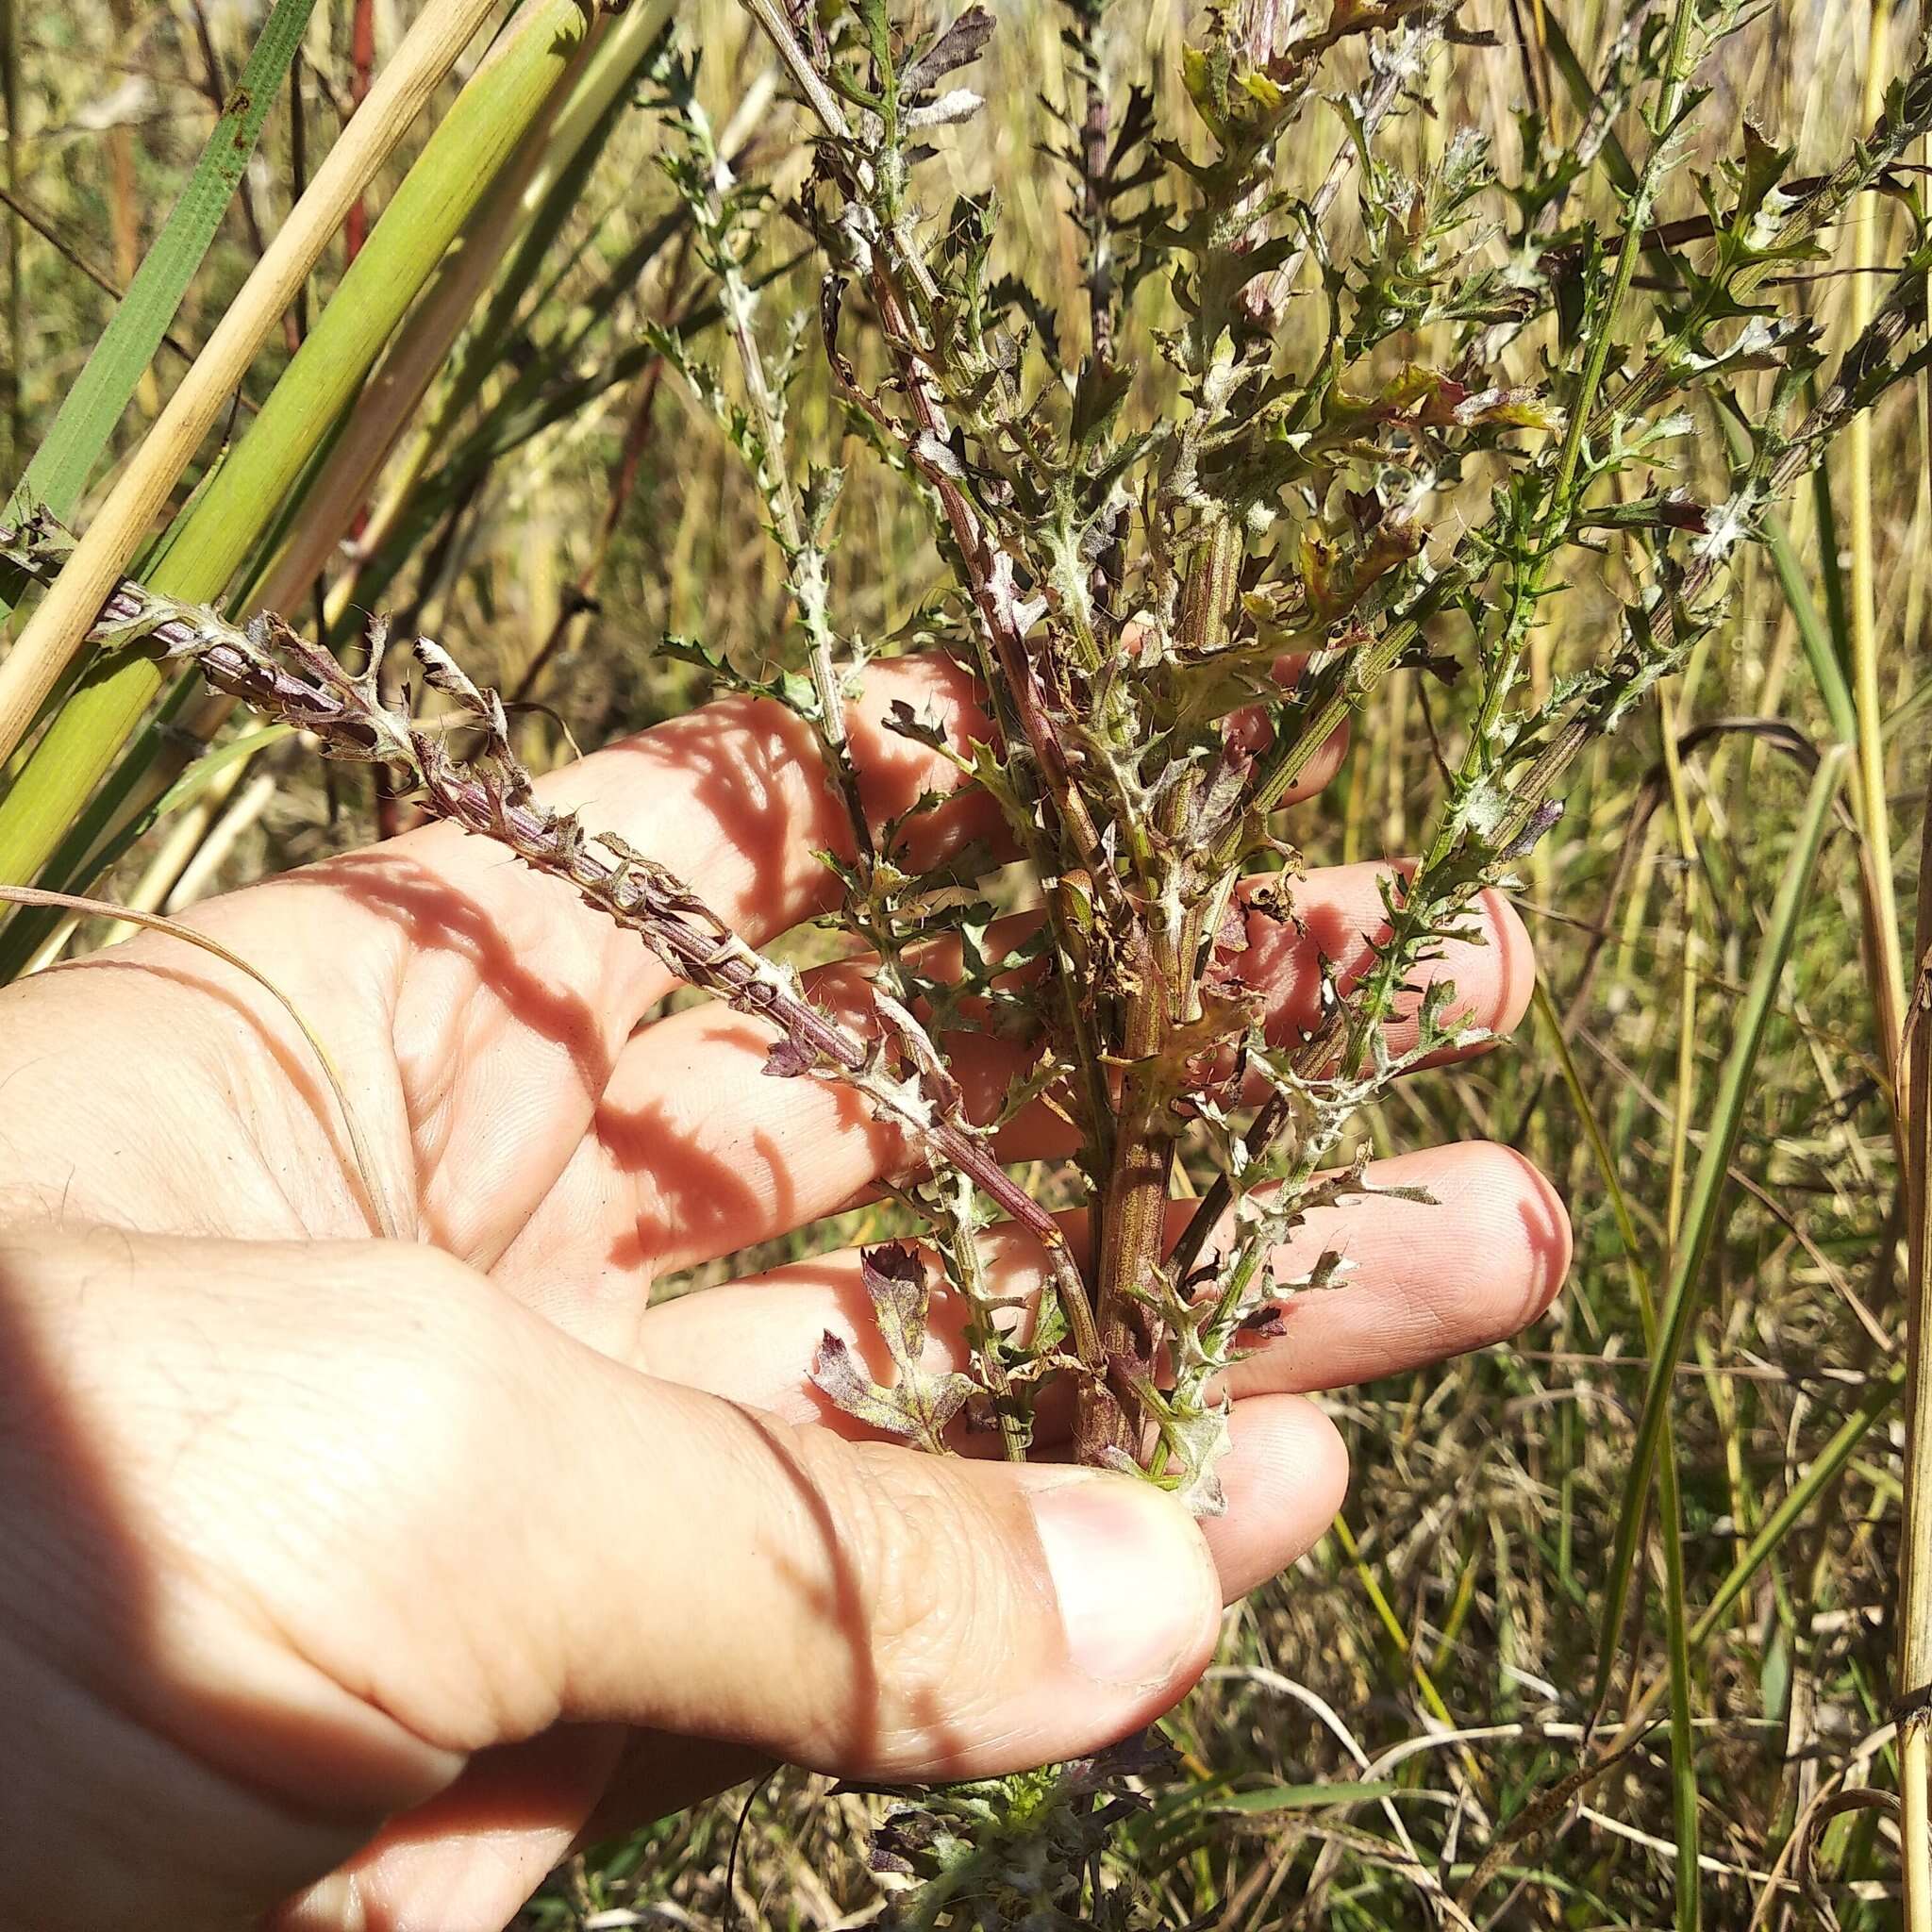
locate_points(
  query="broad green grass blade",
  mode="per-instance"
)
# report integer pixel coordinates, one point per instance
(1615, 162)
(196, 778)
(1819, 652)
(101, 833)
(62, 464)
(453, 170)
(1707, 1189)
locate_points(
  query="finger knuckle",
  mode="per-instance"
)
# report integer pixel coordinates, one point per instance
(932, 1581)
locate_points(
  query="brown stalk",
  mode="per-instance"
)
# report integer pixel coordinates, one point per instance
(123, 214)
(10, 396)
(581, 597)
(362, 71)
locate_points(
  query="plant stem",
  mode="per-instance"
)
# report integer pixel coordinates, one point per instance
(1683, 1751)
(818, 96)
(805, 559)
(1132, 1219)
(1914, 1686)
(362, 67)
(1875, 817)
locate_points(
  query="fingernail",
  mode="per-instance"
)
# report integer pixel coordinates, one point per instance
(1136, 1593)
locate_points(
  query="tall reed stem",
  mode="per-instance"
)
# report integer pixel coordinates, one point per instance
(60, 627)
(251, 485)
(390, 406)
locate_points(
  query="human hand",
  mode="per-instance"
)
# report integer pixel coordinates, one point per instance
(369, 1575)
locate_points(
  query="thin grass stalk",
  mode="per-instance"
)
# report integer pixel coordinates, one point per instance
(103, 830)
(549, 390)
(174, 855)
(362, 72)
(1391, 1624)
(1914, 1686)
(1915, 1610)
(1708, 1189)
(1823, 1469)
(198, 876)
(1820, 653)
(582, 129)
(332, 502)
(298, 171)
(1887, 976)
(60, 627)
(580, 598)
(1670, 1507)
(251, 487)
(1683, 1744)
(1821, 645)
(23, 947)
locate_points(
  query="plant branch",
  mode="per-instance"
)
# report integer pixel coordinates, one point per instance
(283, 676)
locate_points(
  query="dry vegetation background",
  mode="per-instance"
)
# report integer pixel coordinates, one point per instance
(1442, 1639)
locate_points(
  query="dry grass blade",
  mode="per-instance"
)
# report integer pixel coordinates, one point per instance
(377, 1200)
(1887, 971)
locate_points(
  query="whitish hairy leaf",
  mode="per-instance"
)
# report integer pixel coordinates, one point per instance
(1202, 1439)
(919, 1405)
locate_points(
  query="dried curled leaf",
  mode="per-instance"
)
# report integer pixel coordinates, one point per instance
(918, 1404)
(958, 46)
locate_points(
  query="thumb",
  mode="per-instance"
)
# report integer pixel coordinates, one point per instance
(854, 1607)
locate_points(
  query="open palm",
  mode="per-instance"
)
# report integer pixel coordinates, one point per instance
(410, 1563)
